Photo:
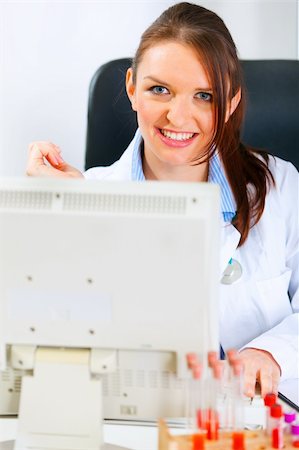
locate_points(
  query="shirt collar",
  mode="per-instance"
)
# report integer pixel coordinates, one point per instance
(216, 175)
(137, 171)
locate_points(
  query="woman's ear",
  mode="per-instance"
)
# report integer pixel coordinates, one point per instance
(130, 86)
(232, 105)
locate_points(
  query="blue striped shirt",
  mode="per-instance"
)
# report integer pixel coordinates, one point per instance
(216, 175)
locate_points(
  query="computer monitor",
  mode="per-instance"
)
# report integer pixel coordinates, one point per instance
(104, 287)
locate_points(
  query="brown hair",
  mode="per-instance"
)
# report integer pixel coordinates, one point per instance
(246, 168)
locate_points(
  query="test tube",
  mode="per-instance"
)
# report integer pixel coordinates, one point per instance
(238, 423)
(192, 360)
(212, 416)
(269, 400)
(208, 392)
(289, 418)
(276, 427)
(295, 434)
(198, 439)
(212, 358)
(199, 397)
(231, 355)
(238, 437)
(233, 388)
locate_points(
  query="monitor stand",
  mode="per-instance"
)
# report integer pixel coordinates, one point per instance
(9, 445)
(61, 386)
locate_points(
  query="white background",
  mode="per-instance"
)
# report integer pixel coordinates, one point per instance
(49, 51)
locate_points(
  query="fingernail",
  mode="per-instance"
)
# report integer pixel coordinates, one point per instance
(249, 393)
(59, 159)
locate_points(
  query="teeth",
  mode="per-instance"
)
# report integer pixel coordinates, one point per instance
(177, 136)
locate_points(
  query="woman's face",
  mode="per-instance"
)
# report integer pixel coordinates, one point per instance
(174, 103)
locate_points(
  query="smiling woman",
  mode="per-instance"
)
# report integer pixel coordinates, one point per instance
(174, 110)
(186, 86)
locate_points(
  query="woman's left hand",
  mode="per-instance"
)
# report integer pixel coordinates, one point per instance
(261, 367)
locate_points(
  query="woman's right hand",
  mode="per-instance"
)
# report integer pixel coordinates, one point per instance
(45, 161)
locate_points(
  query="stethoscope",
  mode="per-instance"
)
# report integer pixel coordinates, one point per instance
(232, 272)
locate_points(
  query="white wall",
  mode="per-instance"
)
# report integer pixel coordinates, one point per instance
(49, 51)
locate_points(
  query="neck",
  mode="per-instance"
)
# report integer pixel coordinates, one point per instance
(158, 170)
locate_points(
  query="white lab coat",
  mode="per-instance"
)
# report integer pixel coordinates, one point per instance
(255, 311)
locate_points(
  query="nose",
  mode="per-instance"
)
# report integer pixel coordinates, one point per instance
(179, 113)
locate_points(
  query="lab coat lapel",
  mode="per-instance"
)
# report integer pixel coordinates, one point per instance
(229, 239)
(253, 246)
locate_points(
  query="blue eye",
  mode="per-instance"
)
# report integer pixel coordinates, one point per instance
(204, 96)
(159, 90)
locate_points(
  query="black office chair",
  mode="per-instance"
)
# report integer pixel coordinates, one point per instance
(271, 122)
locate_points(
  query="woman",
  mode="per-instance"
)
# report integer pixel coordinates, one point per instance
(186, 86)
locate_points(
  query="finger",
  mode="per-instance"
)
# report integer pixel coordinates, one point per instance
(48, 171)
(44, 146)
(36, 165)
(250, 376)
(275, 381)
(265, 380)
(58, 149)
(47, 150)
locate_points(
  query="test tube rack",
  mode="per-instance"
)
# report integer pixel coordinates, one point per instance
(254, 440)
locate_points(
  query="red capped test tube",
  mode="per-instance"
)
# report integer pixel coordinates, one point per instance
(199, 397)
(234, 383)
(238, 437)
(231, 356)
(276, 427)
(269, 400)
(212, 415)
(238, 416)
(191, 360)
(212, 358)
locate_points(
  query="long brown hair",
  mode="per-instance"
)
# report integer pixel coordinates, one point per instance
(246, 168)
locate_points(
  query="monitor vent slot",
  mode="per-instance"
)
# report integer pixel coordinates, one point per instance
(12, 379)
(25, 199)
(17, 384)
(118, 382)
(140, 378)
(5, 376)
(124, 203)
(91, 202)
(115, 383)
(153, 379)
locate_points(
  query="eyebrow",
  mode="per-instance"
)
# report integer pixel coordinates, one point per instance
(163, 83)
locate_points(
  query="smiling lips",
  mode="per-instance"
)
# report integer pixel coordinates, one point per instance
(174, 139)
(177, 136)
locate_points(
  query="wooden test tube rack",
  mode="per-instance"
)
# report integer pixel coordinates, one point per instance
(254, 440)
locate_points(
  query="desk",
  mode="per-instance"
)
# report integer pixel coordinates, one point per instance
(133, 437)
(141, 437)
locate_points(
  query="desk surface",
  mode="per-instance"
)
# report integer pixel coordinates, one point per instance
(133, 437)
(141, 437)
